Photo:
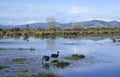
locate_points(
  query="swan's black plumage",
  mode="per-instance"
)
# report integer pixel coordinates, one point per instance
(45, 58)
(55, 55)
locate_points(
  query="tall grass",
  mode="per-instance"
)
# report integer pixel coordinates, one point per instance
(92, 31)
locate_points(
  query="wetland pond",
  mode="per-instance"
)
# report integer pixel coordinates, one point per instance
(25, 56)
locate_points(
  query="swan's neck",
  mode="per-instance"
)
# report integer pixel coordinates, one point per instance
(57, 53)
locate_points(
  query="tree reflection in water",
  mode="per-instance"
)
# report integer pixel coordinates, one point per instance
(50, 43)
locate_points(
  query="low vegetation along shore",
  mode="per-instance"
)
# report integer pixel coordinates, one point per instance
(59, 32)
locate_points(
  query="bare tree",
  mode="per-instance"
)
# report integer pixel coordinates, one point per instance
(77, 26)
(50, 22)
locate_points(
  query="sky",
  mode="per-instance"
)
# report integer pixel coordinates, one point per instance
(16, 12)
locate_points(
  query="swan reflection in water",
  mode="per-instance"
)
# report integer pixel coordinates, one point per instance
(46, 65)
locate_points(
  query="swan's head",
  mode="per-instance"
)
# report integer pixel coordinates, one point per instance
(58, 52)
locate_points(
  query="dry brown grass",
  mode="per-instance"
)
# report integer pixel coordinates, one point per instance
(61, 32)
(1, 33)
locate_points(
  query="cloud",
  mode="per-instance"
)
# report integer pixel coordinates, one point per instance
(81, 10)
(32, 21)
(75, 10)
(27, 13)
(6, 4)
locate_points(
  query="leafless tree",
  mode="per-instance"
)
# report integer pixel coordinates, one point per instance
(50, 22)
(77, 26)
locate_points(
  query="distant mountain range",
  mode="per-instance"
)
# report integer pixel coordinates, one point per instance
(86, 24)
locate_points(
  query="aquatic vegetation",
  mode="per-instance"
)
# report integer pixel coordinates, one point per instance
(2, 67)
(38, 75)
(45, 75)
(19, 60)
(23, 70)
(61, 64)
(17, 49)
(15, 76)
(6, 71)
(32, 49)
(20, 49)
(75, 57)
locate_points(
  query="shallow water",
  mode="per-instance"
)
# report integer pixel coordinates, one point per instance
(102, 55)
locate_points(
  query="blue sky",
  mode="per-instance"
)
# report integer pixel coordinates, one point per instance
(15, 12)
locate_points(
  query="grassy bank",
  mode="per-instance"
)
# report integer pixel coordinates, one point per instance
(92, 31)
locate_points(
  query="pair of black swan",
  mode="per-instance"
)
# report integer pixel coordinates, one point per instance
(46, 58)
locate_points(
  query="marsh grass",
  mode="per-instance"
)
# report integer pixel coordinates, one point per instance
(45, 75)
(31, 49)
(61, 64)
(38, 75)
(2, 67)
(19, 60)
(75, 57)
(65, 32)
(6, 71)
(1, 33)
(20, 48)
(23, 70)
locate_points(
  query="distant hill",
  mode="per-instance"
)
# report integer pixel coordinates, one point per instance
(6, 26)
(99, 23)
(86, 24)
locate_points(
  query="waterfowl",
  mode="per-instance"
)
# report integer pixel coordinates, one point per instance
(55, 55)
(45, 58)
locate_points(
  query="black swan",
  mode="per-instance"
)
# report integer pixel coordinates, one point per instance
(55, 55)
(45, 58)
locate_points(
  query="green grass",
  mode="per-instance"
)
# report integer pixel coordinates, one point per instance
(23, 70)
(61, 64)
(75, 57)
(19, 60)
(2, 67)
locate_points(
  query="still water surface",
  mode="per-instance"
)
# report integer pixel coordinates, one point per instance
(102, 56)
